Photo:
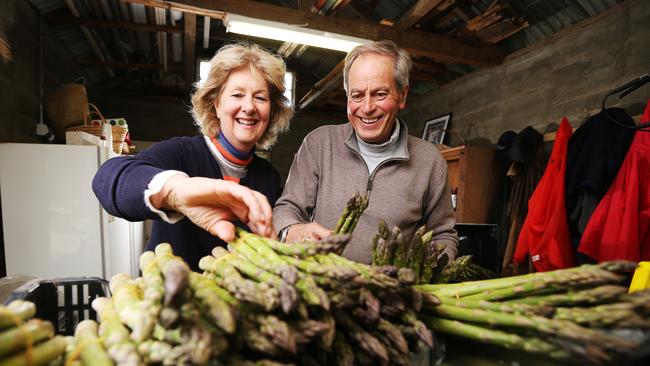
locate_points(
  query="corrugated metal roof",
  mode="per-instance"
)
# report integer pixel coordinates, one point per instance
(48, 6)
(544, 18)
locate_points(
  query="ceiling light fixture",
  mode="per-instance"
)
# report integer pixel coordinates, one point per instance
(290, 33)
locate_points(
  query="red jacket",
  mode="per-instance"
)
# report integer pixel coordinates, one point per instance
(545, 233)
(620, 226)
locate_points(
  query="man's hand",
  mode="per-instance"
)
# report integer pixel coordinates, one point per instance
(213, 203)
(304, 232)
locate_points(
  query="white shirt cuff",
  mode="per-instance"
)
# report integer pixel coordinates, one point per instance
(155, 185)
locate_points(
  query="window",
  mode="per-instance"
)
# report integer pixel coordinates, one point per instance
(288, 87)
(204, 69)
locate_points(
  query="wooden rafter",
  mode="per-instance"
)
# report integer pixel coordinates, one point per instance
(416, 12)
(112, 24)
(180, 7)
(322, 87)
(433, 68)
(128, 65)
(434, 46)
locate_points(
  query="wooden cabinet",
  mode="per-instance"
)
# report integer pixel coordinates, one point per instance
(473, 174)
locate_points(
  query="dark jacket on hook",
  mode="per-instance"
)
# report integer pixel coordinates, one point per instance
(595, 154)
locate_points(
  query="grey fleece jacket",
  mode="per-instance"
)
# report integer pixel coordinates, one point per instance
(408, 190)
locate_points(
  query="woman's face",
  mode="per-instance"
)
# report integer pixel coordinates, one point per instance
(244, 107)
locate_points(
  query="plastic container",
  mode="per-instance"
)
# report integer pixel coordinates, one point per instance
(63, 301)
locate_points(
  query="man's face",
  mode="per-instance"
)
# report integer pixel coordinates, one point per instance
(373, 99)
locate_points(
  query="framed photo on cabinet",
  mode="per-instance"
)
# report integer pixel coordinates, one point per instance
(435, 128)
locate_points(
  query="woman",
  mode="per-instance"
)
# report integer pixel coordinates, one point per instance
(194, 186)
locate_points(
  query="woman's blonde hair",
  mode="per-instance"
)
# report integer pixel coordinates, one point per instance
(232, 57)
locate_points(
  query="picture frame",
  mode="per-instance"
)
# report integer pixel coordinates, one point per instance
(435, 128)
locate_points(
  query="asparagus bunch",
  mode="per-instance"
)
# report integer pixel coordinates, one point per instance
(561, 314)
(423, 256)
(340, 305)
(353, 210)
(168, 316)
(27, 341)
(258, 301)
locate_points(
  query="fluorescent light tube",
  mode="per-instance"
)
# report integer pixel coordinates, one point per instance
(290, 33)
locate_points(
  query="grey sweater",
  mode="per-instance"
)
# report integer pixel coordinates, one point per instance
(408, 190)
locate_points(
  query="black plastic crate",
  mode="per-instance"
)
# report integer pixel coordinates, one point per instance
(63, 301)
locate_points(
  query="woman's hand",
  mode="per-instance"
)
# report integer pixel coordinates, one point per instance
(305, 232)
(213, 203)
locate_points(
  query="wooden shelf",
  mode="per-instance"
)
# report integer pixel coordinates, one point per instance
(473, 173)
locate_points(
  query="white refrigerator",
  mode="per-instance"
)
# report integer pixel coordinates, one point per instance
(53, 225)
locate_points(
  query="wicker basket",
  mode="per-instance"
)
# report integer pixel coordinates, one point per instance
(95, 127)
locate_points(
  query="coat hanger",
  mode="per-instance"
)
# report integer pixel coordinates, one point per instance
(626, 89)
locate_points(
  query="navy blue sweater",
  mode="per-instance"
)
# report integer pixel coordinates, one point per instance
(120, 184)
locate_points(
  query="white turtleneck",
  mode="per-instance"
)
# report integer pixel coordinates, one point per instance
(374, 154)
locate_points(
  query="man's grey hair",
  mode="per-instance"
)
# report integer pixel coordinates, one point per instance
(402, 59)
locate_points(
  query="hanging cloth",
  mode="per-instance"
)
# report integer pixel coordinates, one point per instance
(620, 226)
(544, 235)
(594, 156)
(526, 170)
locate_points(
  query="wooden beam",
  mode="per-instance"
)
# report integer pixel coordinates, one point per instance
(321, 88)
(417, 12)
(305, 5)
(189, 47)
(180, 7)
(363, 12)
(128, 65)
(434, 46)
(112, 24)
(433, 69)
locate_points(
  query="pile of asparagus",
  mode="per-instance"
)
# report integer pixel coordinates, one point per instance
(575, 314)
(350, 216)
(24, 340)
(424, 257)
(262, 302)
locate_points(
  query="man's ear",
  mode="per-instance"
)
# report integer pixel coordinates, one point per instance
(403, 95)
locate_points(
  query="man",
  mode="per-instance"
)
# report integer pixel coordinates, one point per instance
(405, 177)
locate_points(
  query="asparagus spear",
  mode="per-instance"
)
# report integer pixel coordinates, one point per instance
(410, 318)
(91, 349)
(227, 276)
(493, 336)
(253, 249)
(40, 354)
(17, 310)
(174, 270)
(343, 351)
(598, 295)
(288, 295)
(154, 288)
(218, 311)
(155, 351)
(130, 308)
(346, 213)
(364, 340)
(539, 324)
(342, 273)
(362, 207)
(511, 286)
(632, 312)
(29, 333)
(114, 334)
(503, 307)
